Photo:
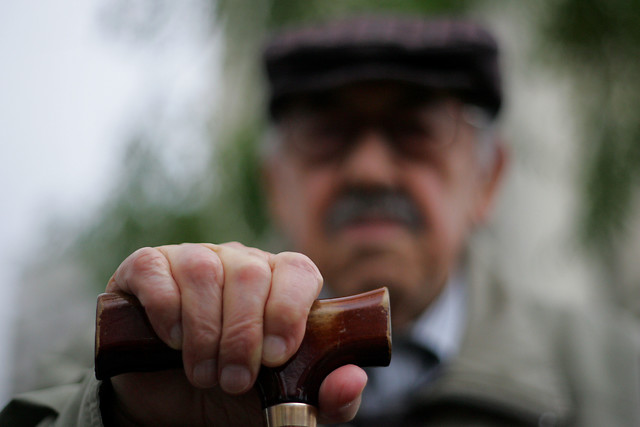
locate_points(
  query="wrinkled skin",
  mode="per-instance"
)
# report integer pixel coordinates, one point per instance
(231, 308)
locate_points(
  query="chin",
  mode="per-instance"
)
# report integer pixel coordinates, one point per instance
(367, 277)
(409, 292)
(351, 268)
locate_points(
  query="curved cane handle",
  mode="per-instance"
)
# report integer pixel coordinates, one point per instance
(349, 330)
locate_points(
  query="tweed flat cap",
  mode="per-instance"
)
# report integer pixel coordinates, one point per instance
(457, 56)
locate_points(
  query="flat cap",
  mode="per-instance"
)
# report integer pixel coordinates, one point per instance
(453, 55)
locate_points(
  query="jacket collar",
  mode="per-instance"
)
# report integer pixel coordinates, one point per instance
(507, 363)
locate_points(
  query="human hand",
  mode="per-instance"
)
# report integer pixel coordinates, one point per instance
(229, 308)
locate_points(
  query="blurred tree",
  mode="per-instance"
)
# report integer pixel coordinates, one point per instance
(598, 43)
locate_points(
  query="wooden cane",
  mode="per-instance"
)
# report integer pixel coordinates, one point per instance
(349, 330)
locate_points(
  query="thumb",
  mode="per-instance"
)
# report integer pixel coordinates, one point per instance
(340, 394)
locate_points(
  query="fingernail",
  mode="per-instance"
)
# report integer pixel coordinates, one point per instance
(235, 379)
(204, 373)
(176, 337)
(273, 349)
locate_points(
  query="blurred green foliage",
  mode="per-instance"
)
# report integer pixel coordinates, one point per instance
(596, 41)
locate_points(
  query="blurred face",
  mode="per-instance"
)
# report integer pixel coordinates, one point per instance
(380, 185)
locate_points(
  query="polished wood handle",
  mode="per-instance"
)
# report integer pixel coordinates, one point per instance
(340, 331)
(125, 340)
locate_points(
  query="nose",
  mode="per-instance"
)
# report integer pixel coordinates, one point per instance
(371, 162)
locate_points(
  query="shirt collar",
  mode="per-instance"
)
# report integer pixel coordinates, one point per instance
(440, 328)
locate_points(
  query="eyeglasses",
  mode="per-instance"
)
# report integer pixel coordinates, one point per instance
(415, 132)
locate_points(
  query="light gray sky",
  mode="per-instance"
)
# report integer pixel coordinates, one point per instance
(68, 92)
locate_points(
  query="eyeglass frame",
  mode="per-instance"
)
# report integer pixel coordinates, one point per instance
(471, 114)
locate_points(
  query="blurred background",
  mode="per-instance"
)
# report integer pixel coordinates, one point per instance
(130, 123)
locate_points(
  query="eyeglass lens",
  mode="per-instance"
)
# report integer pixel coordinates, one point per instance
(322, 136)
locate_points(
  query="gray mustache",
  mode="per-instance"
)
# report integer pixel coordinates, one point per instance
(359, 205)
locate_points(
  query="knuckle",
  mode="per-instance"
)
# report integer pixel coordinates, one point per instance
(200, 266)
(146, 261)
(253, 271)
(205, 335)
(287, 312)
(302, 264)
(233, 244)
(242, 338)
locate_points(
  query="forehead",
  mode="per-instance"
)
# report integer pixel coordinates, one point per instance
(374, 97)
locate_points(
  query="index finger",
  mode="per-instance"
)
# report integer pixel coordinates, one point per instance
(146, 273)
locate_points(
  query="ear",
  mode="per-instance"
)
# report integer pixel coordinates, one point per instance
(490, 182)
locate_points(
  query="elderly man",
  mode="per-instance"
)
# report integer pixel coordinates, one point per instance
(381, 162)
